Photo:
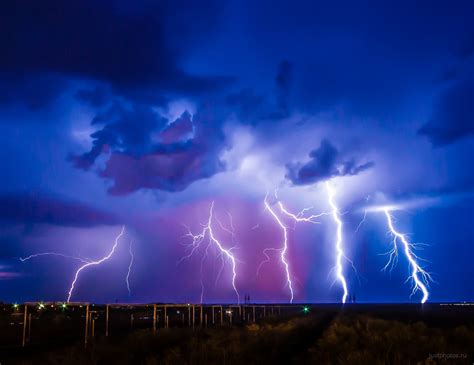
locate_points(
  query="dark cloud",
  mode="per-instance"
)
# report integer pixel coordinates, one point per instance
(467, 49)
(97, 97)
(283, 83)
(325, 162)
(247, 104)
(253, 107)
(453, 115)
(34, 91)
(127, 131)
(30, 209)
(148, 152)
(133, 47)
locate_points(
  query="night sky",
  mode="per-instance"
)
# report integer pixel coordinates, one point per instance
(142, 113)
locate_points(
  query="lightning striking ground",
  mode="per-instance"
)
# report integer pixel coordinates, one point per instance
(127, 278)
(94, 263)
(283, 250)
(339, 244)
(419, 276)
(197, 239)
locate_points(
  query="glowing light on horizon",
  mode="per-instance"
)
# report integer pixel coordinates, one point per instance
(94, 263)
(339, 241)
(197, 239)
(419, 276)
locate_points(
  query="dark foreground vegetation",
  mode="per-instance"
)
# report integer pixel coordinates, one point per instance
(329, 336)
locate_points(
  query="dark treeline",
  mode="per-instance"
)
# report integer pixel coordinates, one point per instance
(316, 338)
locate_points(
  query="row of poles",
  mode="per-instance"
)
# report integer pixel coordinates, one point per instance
(249, 310)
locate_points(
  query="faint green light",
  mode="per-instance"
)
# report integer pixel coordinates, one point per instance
(305, 309)
(15, 305)
(41, 306)
(63, 306)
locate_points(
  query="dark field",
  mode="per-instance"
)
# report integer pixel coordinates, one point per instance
(327, 334)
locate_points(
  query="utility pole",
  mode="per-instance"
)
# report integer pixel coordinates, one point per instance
(93, 328)
(154, 318)
(25, 317)
(87, 325)
(29, 327)
(107, 320)
(189, 315)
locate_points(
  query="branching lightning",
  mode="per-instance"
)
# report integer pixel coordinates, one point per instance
(23, 259)
(127, 278)
(94, 263)
(300, 217)
(207, 231)
(420, 277)
(339, 244)
(283, 250)
(87, 262)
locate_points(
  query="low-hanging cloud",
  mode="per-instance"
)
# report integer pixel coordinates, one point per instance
(453, 116)
(146, 151)
(32, 209)
(325, 162)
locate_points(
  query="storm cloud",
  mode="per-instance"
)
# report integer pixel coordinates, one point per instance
(325, 162)
(453, 115)
(38, 208)
(132, 47)
(148, 152)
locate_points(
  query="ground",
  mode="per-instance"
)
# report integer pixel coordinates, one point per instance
(328, 334)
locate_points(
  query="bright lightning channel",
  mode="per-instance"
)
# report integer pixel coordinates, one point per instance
(23, 259)
(419, 276)
(339, 244)
(197, 239)
(283, 250)
(94, 263)
(300, 217)
(127, 278)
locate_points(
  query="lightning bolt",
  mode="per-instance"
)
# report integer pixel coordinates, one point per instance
(23, 259)
(283, 250)
(94, 263)
(231, 231)
(361, 222)
(208, 231)
(339, 249)
(300, 217)
(127, 278)
(419, 276)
